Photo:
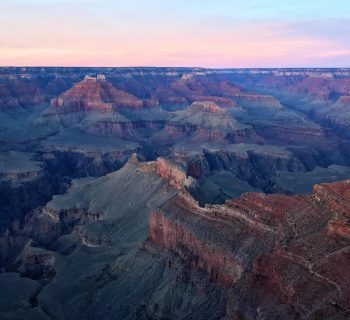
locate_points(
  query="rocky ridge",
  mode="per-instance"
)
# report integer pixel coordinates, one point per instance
(283, 246)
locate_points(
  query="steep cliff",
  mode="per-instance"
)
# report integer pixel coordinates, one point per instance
(291, 249)
(99, 230)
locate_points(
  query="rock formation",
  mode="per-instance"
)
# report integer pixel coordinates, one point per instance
(95, 94)
(294, 249)
(206, 121)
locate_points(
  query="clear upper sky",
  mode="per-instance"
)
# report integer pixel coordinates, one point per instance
(205, 33)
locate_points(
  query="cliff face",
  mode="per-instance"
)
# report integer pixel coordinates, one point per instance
(247, 162)
(106, 220)
(175, 176)
(292, 248)
(221, 266)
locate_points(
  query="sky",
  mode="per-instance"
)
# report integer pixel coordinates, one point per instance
(175, 33)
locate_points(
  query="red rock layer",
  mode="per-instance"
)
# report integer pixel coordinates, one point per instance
(203, 238)
(295, 247)
(219, 265)
(95, 94)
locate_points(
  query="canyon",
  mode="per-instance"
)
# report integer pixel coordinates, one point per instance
(174, 193)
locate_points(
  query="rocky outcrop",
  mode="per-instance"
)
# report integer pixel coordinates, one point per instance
(294, 249)
(206, 121)
(207, 238)
(94, 94)
(219, 265)
(175, 176)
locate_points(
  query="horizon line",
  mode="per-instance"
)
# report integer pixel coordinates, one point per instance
(170, 67)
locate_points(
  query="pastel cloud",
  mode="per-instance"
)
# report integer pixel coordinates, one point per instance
(174, 33)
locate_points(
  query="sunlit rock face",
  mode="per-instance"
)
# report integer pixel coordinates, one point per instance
(293, 250)
(95, 94)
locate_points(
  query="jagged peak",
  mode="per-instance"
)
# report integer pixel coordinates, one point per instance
(174, 175)
(134, 159)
